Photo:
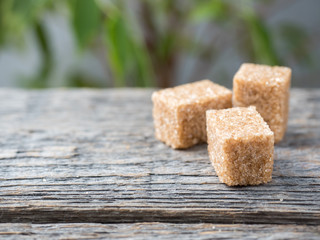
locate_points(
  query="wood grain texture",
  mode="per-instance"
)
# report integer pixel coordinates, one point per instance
(91, 156)
(157, 231)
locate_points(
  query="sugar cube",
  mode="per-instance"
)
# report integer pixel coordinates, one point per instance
(240, 146)
(266, 88)
(179, 113)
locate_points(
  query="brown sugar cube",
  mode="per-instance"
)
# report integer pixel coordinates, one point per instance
(266, 88)
(240, 146)
(179, 113)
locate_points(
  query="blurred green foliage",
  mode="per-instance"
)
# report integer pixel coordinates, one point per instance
(142, 46)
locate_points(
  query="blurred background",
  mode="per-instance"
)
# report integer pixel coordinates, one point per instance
(154, 43)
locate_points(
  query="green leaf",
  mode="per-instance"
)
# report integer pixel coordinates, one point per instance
(42, 77)
(86, 20)
(4, 10)
(114, 37)
(17, 16)
(144, 66)
(263, 49)
(209, 10)
(28, 10)
(129, 60)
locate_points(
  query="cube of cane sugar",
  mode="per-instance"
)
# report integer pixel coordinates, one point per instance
(240, 146)
(266, 88)
(179, 113)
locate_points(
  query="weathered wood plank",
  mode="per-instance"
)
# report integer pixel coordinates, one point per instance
(157, 231)
(90, 156)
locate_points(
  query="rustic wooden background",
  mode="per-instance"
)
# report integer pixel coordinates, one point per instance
(82, 161)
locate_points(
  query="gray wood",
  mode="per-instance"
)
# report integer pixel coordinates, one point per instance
(157, 231)
(90, 156)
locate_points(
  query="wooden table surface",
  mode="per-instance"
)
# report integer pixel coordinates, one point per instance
(85, 164)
